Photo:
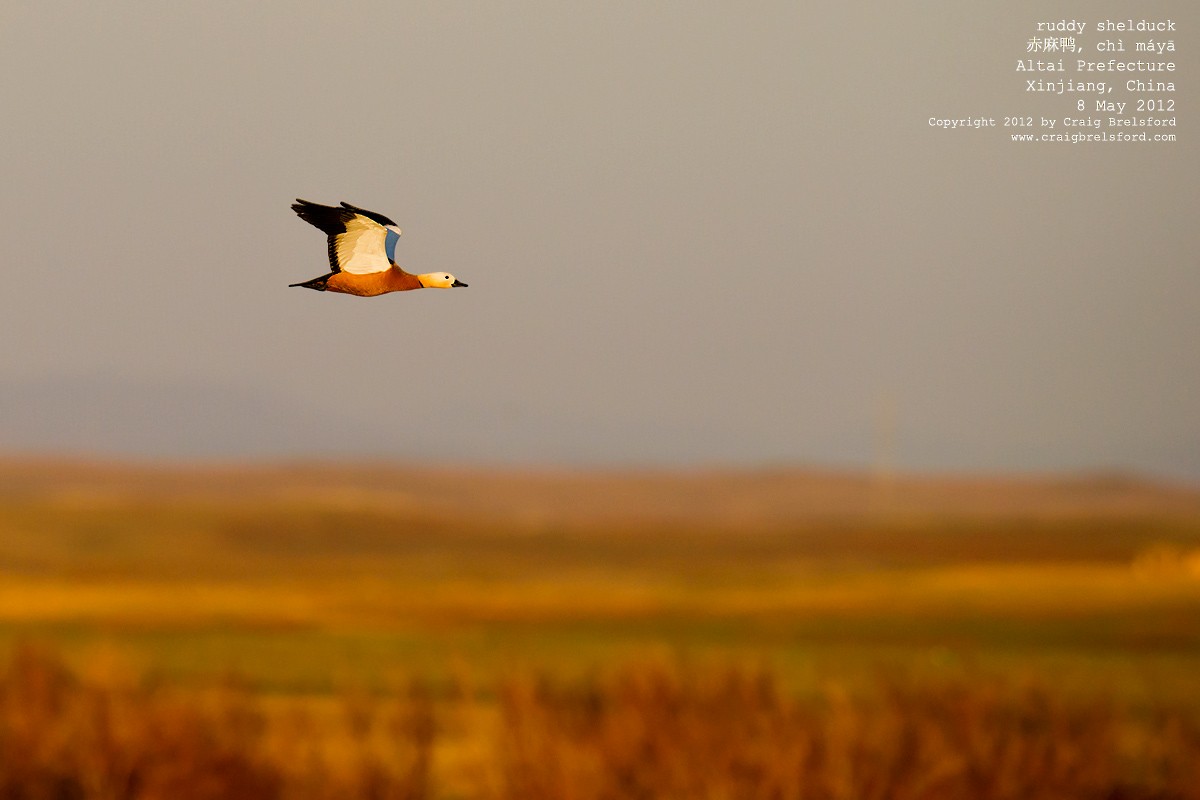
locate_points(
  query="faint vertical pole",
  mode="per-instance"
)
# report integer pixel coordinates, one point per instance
(883, 462)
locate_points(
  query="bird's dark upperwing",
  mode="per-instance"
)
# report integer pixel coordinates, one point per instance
(356, 237)
(380, 218)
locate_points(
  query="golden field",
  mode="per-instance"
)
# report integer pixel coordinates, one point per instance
(345, 630)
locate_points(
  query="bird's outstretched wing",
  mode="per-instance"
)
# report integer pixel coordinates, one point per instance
(360, 241)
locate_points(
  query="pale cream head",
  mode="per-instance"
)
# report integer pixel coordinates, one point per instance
(439, 280)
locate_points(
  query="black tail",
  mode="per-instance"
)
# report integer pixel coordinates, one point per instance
(315, 283)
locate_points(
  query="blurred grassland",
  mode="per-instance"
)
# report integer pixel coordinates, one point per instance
(322, 631)
(303, 577)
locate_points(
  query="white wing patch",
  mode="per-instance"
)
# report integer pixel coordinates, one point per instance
(360, 250)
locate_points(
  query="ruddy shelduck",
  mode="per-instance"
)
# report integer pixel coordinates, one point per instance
(362, 253)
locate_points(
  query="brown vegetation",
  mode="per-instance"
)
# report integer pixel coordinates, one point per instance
(664, 733)
(640, 731)
(62, 737)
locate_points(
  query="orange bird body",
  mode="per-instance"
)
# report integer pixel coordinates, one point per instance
(362, 253)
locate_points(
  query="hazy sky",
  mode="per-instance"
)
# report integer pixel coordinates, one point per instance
(694, 233)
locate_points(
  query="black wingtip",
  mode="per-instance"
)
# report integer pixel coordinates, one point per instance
(380, 218)
(330, 219)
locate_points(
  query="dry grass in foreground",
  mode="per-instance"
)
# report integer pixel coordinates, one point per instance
(642, 731)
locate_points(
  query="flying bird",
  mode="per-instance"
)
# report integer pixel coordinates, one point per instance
(362, 253)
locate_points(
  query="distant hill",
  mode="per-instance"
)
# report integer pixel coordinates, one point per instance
(544, 499)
